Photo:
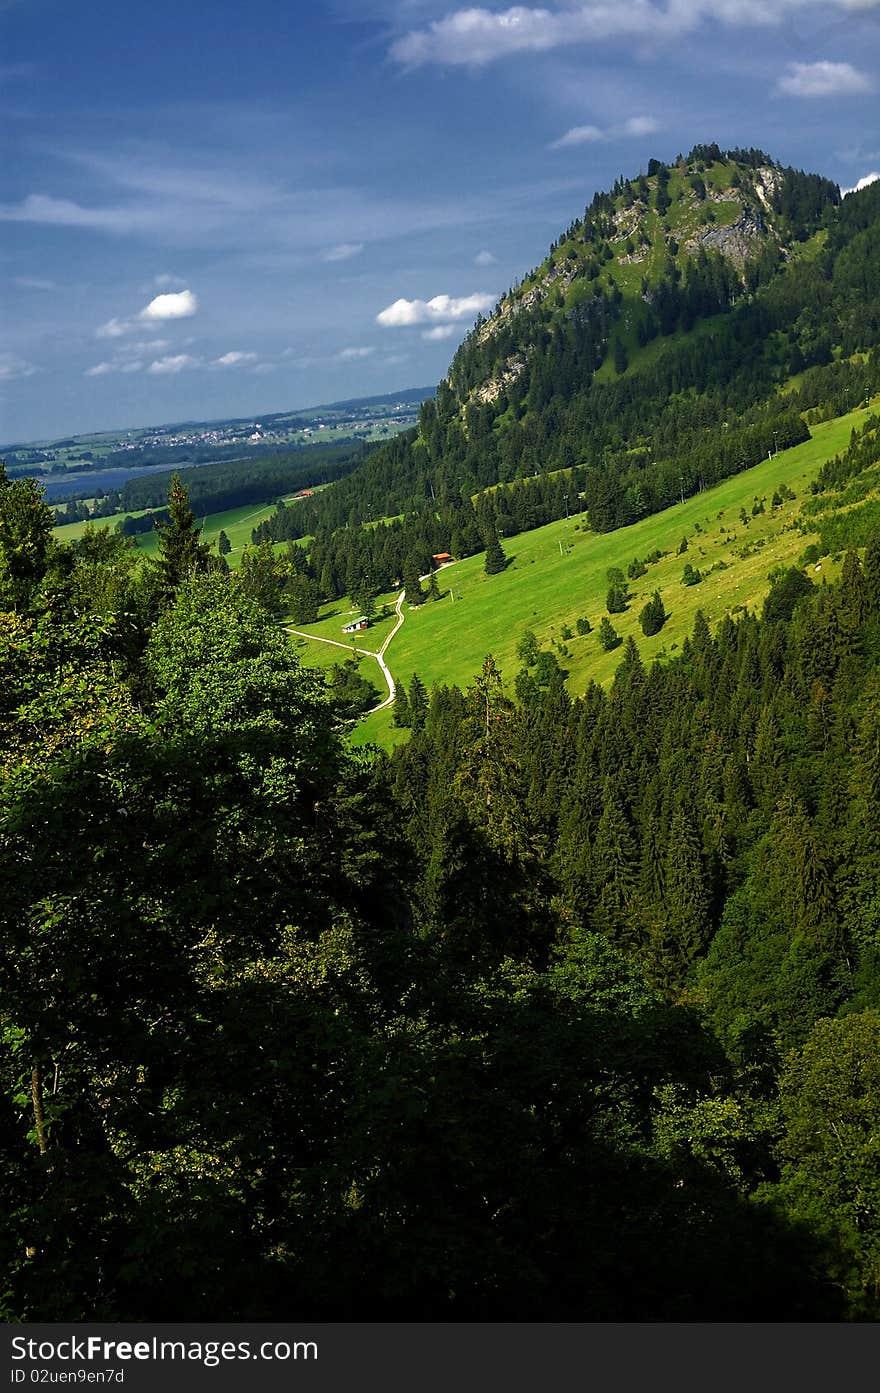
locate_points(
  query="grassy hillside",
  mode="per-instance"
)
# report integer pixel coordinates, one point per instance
(237, 523)
(558, 573)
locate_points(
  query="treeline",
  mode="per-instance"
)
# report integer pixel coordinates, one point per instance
(214, 488)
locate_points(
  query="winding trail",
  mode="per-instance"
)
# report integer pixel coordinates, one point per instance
(379, 654)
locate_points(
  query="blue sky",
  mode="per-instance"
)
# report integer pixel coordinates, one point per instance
(221, 209)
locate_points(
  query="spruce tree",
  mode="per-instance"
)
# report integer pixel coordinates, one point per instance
(616, 600)
(608, 635)
(400, 715)
(182, 554)
(853, 588)
(418, 702)
(412, 583)
(433, 587)
(495, 557)
(224, 546)
(872, 573)
(653, 616)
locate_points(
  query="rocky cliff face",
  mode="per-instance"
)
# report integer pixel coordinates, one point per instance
(739, 241)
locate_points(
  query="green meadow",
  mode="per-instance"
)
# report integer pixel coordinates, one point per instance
(237, 523)
(558, 573)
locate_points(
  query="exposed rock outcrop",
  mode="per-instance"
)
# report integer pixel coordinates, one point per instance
(737, 240)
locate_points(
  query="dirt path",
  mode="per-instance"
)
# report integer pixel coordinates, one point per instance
(379, 654)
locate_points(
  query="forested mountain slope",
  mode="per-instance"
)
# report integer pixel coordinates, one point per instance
(675, 333)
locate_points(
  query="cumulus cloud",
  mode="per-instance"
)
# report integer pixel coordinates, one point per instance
(862, 183)
(591, 135)
(181, 304)
(344, 251)
(234, 359)
(823, 79)
(442, 309)
(439, 331)
(347, 354)
(11, 367)
(477, 36)
(485, 258)
(176, 363)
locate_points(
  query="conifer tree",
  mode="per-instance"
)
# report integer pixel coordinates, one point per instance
(853, 588)
(616, 600)
(687, 908)
(872, 573)
(412, 583)
(400, 716)
(433, 587)
(224, 546)
(608, 635)
(495, 558)
(418, 702)
(653, 616)
(182, 554)
(614, 866)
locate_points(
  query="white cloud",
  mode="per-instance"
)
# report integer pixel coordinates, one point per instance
(591, 135)
(61, 212)
(233, 359)
(485, 258)
(476, 36)
(114, 329)
(166, 280)
(177, 363)
(347, 354)
(179, 305)
(343, 252)
(862, 183)
(578, 135)
(823, 79)
(439, 331)
(34, 283)
(262, 369)
(638, 125)
(12, 367)
(100, 370)
(442, 309)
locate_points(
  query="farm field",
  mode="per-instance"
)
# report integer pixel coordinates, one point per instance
(557, 574)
